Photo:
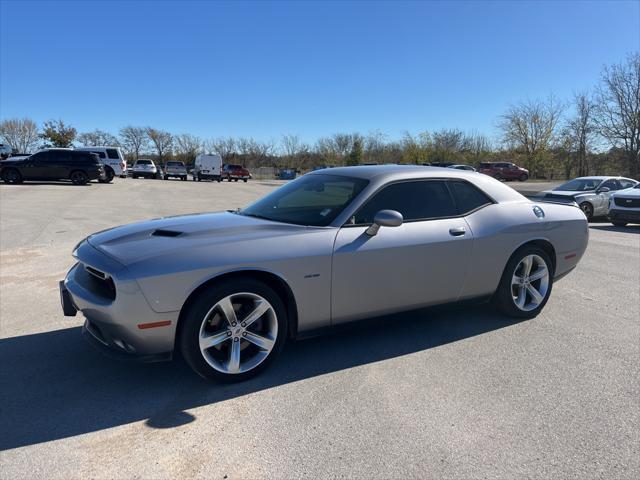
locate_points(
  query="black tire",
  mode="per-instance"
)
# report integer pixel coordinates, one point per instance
(499, 177)
(235, 179)
(134, 176)
(79, 177)
(12, 176)
(503, 298)
(109, 174)
(618, 223)
(193, 316)
(524, 177)
(587, 209)
(244, 180)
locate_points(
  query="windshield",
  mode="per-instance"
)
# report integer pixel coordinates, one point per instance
(580, 185)
(314, 200)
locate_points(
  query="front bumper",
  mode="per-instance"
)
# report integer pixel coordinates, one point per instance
(124, 323)
(632, 216)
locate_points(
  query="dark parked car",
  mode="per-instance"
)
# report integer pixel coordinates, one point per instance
(504, 171)
(53, 164)
(235, 173)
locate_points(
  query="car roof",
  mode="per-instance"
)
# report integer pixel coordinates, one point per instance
(401, 171)
(95, 147)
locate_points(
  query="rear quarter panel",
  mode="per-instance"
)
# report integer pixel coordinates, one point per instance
(500, 229)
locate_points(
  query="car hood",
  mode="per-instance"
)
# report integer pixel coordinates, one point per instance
(570, 193)
(628, 193)
(163, 237)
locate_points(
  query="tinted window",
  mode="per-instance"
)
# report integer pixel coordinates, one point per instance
(100, 154)
(468, 197)
(59, 156)
(419, 200)
(143, 162)
(610, 184)
(175, 164)
(311, 200)
(113, 153)
(39, 157)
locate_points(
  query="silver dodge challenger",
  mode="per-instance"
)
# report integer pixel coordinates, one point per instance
(228, 289)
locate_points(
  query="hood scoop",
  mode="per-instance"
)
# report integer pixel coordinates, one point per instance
(165, 233)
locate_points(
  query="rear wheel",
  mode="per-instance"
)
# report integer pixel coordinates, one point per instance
(79, 177)
(524, 177)
(232, 331)
(11, 175)
(526, 283)
(587, 208)
(109, 175)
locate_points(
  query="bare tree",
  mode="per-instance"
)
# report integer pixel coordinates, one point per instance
(134, 140)
(225, 147)
(618, 109)
(530, 128)
(293, 149)
(20, 133)
(580, 132)
(187, 147)
(161, 140)
(97, 137)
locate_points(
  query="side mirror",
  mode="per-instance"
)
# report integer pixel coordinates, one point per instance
(603, 190)
(384, 218)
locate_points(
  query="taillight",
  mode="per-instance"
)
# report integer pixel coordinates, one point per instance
(122, 165)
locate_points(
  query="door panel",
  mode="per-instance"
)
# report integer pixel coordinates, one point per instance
(416, 264)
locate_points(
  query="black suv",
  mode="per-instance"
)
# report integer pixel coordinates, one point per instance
(53, 164)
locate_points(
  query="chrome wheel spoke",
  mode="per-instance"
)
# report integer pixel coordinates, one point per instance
(541, 272)
(208, 341)
(261, 342)
(522, 297)
(526, 264)
(227, 310)
(256, 313)
(234, 358)
(535, 295)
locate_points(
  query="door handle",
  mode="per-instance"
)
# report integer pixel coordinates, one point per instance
(457, 232)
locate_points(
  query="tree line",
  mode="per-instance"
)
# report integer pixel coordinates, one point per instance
(595, 132)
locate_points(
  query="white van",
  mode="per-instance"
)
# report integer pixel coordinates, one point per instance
(207, 167)
(112, 159)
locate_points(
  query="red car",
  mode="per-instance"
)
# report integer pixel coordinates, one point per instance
(235, 173)
(504, 171)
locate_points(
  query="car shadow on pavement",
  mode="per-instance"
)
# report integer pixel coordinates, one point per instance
(53, 385)
(612, 228)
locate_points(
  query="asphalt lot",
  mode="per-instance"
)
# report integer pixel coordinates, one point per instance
(455, 393)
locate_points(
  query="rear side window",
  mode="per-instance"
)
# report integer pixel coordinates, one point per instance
(415, 200)
(100, 154)
(59, 156)
(113, 153)
(468, 198)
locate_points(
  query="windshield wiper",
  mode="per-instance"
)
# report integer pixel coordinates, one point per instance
(255, 215)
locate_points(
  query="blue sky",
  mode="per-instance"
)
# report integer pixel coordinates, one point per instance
(313, 69)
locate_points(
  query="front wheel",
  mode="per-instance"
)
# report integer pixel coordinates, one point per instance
(526, 283)
(587, 209)
(232, 331)
(524, 177)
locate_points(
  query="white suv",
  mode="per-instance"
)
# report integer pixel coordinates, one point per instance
(112, 159)
(144, 168)
(624, 206)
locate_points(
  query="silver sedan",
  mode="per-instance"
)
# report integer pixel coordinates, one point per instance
(228, 289)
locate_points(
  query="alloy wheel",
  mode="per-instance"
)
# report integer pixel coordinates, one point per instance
(530, 283)
(238, 333)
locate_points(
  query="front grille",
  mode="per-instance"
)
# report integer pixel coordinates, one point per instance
(97, 282)
(627, 202)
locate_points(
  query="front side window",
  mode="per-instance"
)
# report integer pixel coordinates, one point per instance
(100, 154)
(611, 185)
(468, 198)
(415, 200)
(624, 183)
(113, 153)
(314, 200)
